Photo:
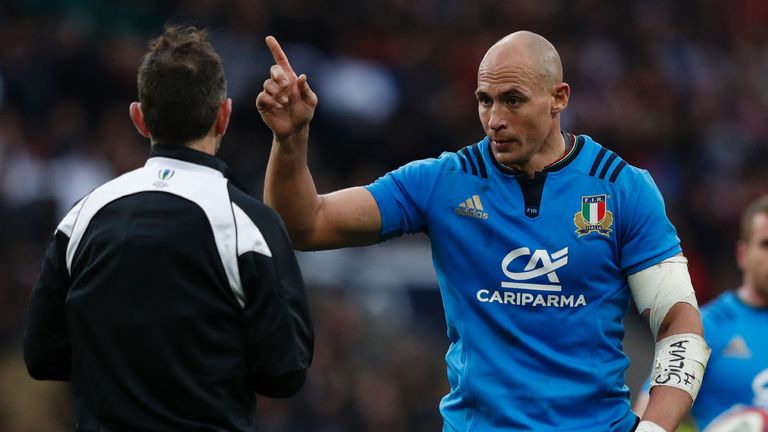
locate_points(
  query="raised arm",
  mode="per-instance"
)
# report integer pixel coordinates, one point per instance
(348, 217)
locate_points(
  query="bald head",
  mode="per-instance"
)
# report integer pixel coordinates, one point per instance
(530, 51)
(520, 95)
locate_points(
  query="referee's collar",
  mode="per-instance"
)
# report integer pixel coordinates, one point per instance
(186, 154)
(197, 157)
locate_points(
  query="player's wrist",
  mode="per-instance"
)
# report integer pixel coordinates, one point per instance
(296, 138)
(649, 426)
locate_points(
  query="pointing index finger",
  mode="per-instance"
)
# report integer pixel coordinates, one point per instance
(277, 53)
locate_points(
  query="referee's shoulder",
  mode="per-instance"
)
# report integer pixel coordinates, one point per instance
(108, 188)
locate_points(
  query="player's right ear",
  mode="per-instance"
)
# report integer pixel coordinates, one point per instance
(560, 96)
(137, 117)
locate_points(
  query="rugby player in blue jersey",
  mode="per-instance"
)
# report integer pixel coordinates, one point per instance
(735, 326)
(539, 237)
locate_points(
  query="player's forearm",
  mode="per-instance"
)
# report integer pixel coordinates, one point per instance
(682, 318)
(289, 187)
(668, 406)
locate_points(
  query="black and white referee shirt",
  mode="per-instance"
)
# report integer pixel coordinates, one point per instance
(169, 297)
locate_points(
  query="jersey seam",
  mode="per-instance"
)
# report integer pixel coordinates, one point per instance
(237, 247)
(428, 200)
(620, 223)
(473, 401)
(70, 265)
(606, 386)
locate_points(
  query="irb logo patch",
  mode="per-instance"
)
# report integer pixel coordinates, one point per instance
(163, 174)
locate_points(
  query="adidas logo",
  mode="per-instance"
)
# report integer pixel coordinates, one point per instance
(472, 207)
(737, 347)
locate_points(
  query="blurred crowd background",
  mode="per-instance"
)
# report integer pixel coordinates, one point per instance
(679, 88)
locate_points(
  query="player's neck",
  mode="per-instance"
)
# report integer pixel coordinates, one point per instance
(749, 295)
(568, 144)
(552, 152)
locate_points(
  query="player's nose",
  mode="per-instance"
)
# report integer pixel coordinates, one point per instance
(496, 120)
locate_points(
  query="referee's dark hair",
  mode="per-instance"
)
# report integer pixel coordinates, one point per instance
(181, 85)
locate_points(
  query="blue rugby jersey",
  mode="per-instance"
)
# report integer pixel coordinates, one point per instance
(533, 279)
(737, 372)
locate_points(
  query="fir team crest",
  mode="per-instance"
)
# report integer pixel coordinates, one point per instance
(594, 216)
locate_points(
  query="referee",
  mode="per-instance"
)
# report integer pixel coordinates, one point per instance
(168, 296)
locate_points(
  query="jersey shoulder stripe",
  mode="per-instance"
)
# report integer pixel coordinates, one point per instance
(472, 161)
(463, 162)
(607, 168)
(597, 161)
(607, 165)
(465, 154)
(480, 161)
(617, 171)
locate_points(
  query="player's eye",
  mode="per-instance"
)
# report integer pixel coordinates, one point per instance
(484, 100)
(513, 100)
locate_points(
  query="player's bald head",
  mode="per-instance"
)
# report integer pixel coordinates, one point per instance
(527, 50)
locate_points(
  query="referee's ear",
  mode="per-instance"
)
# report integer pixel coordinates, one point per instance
(222, 117)
(137, 117)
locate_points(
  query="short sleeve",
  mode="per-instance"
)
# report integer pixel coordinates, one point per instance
(403, 195)
(648, 236)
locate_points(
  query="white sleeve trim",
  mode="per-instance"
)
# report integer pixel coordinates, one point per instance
(249, 237)
(67, 225)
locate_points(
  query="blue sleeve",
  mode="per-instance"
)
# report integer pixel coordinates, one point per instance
(647, 235)
(402, 196)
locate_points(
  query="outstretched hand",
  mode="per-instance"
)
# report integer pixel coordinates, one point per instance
(286, 104)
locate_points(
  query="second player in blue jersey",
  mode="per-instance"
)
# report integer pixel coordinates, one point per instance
(735, 325)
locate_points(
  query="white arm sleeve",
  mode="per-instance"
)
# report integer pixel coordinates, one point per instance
(660, 287)
(680, 359)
